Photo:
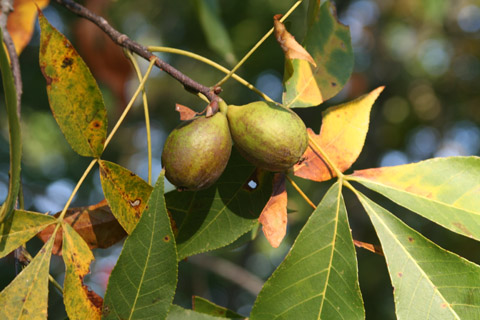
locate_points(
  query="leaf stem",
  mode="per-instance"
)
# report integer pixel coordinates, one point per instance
(212, 64)
(130, 104)
(300, 191)
(255, 47)
(75, 190)
(147, 117)
(15, 139)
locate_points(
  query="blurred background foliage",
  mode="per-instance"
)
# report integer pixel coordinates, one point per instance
(426, 53)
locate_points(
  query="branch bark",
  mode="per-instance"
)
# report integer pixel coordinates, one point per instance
(125, 42)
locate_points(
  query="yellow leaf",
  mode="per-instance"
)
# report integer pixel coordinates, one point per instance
(21, 21)
(80, 302)
(126, 193)
(341, 138)
(26, 297)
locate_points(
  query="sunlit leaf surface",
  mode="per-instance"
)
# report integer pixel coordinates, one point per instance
(341, 138)
(26, 297)
(318, 278)
(143, 282)
(21, 21)
(73, 93)
(20, 227)
(328, 42)
(444, 190)
(80, 303)
(274, 216)
(429, 282)
(126, 193)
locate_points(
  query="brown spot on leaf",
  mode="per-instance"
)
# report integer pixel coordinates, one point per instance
(444, 305)
(96, 124)
(67, 62)
(400, 274)
(410, 239)
(462, 227)
(334, 84)
(166, 238)
(47, 77)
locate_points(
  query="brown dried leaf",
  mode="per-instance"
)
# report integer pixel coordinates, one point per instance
(274, 216)
(185, 112)
(95, 224)
(290, 46)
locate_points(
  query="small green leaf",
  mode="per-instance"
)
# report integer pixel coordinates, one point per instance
(444, 190)
(214, 29)
(204, 306)
(143, 282)
(126, 193)
(73, 93)
(215, 217)
(429, 282)
(77, 257)
(179, 313)
(26, 297)
(20, 227)
(318, 278)
(328, 42)
(14, 133)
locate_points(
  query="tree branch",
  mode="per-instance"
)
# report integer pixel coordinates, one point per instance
(125, 42)
(6, 8)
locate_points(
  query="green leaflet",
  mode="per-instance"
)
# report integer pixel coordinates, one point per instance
(143, 281)
(318, 278)
(444, 190)
(215, 217)
(429, 282)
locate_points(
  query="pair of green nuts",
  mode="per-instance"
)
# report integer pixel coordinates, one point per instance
(196, 153)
